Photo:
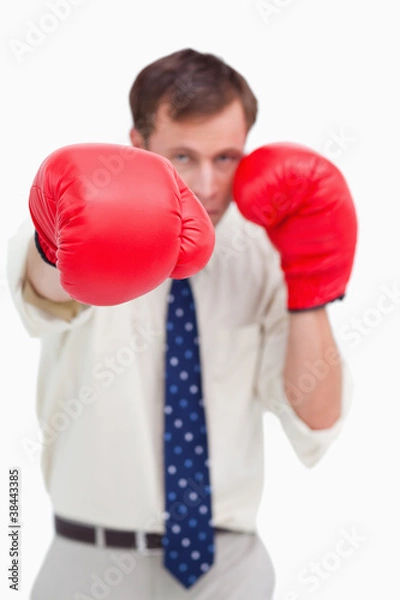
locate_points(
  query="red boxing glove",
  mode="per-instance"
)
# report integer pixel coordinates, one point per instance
(117, 221)
(303, 202)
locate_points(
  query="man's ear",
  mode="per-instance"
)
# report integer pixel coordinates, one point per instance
(137, 139)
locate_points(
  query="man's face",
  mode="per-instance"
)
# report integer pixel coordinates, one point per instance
(205, 151)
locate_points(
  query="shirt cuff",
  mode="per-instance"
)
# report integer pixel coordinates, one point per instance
(39, 315)
(311, 444)
(66, 310)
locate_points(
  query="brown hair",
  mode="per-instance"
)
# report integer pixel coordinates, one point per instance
(193, 84)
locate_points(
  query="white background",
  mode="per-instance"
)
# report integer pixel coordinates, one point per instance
(323, 70)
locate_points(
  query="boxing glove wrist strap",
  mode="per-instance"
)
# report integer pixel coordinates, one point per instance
(323, 305)
(41, 252)
(299, 310)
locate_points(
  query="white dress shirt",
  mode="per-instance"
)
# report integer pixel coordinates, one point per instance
(100, 386)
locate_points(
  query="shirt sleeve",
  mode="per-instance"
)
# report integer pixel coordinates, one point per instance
(309, 444)
(40, 316)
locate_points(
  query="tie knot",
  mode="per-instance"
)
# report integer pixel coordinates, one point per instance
(181, 292)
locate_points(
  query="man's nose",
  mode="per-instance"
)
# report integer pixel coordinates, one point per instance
(204, 183)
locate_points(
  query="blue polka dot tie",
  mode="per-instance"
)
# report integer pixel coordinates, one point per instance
(189, 535)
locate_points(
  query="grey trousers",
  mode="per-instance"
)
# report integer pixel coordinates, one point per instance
(74, 570)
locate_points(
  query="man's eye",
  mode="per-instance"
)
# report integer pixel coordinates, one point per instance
(226, 158)
(181, 158)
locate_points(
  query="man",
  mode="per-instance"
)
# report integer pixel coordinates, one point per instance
(168, 376)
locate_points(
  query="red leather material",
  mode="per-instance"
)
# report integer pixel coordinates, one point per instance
(303, 202)
(117, 221)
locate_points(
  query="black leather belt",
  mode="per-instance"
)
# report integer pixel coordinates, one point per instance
(111, 537)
